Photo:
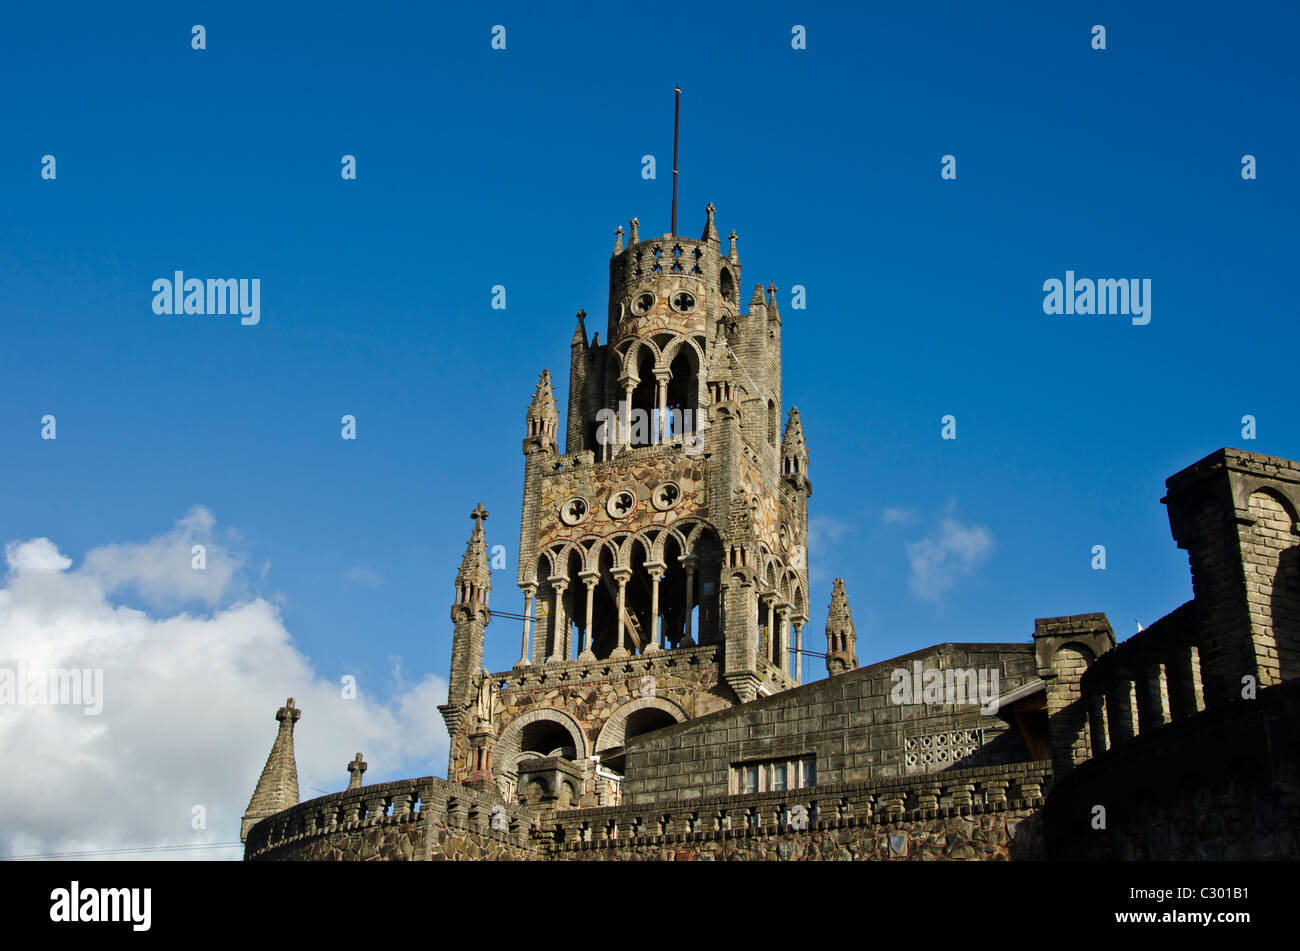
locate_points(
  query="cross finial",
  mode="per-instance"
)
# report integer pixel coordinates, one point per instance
(478, 515)
(356, 768)
(618, 239)
(288, 712)
(710, 209)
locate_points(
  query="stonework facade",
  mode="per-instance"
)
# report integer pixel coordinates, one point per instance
(659, 710)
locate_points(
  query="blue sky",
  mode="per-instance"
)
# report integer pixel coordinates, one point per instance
(479, 167)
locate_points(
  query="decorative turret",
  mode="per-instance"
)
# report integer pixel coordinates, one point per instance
(277, 787)
(733, 256)
(841, 635)
(710, 229)
(543, 419)
(794, 452)
(470, 616)
(758, 302)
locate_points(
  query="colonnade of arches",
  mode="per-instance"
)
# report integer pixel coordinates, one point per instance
(657, 589)
(660, 394)
(662, 583)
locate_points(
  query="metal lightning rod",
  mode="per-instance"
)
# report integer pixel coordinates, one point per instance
(677, 115)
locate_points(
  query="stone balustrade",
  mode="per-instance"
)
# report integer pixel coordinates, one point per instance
(934, 796)
(420, 806)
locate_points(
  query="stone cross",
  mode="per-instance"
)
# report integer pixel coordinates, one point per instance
(288, 712)
(356, 768)
(479, 515)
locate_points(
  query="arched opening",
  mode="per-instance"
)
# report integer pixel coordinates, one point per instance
(575, 605)
(708, 578)
(773, 424)
(727, 285)
(672, 595)
(637, 602)
(647, 721)
(546, 738)
(643, 407)
(542, 606)
(683, 392)
(605, 636)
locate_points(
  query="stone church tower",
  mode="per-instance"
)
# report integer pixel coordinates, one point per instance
(662, 554)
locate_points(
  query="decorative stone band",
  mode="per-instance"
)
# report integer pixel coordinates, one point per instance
(609, 668)
(429, 800)
(967, 792)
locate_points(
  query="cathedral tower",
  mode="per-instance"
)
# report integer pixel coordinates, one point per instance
(663, 554)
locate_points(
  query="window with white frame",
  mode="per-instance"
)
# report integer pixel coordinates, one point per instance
(775, 775)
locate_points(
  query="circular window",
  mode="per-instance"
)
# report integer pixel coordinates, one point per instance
(620, 504)
(667, 495)
(683, 302)
(574, 511)
(641, 306)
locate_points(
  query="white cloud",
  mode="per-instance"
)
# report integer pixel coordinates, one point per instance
(363, 576)
(162, 570)
(948, 553)
(897, 515)
(188, 703)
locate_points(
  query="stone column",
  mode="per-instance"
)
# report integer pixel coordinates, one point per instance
(558, 620)
(661, 406)
(530, 592)
(690, 565)
(656, 575)
(621, 575)
(783, 639)
(590, 579)
(798, 650)
(767, 648)
(626, 414)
